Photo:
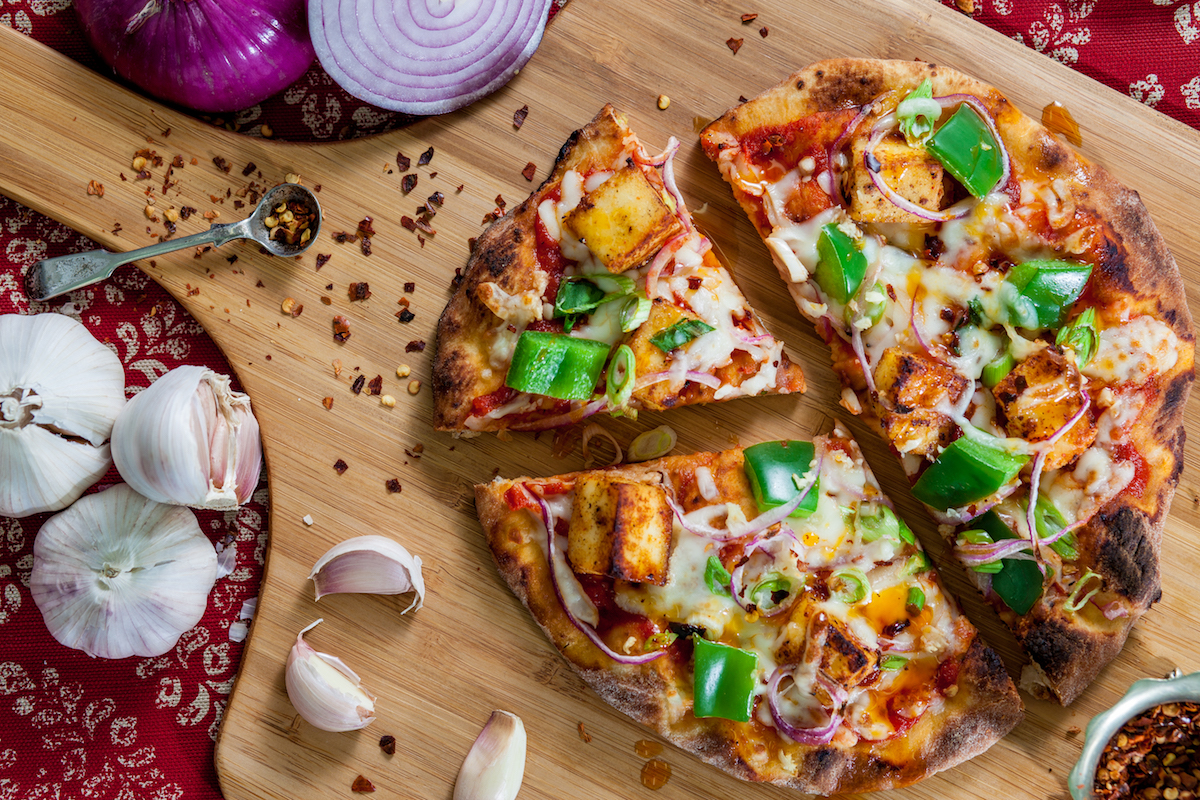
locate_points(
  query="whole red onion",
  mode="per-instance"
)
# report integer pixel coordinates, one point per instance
(209, 55)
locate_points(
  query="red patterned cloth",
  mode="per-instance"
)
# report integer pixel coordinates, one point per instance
(76, 727)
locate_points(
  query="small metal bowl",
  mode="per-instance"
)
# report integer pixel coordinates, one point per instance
(1142, 695)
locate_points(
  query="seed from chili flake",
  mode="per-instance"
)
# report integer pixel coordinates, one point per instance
(414, 387)
(376, 385)
(359, 291)
(734, 44)
(529, 171)
(393, 487)
(425, 157)
(361, 784)
(341, 329)
(656, 773)
(646, 748)
(357, 386)
(1152, 756)
(95, 188)
(340, 467)
(387, 742)
(288, 304)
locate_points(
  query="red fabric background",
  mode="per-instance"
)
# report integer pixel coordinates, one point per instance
(76, 727)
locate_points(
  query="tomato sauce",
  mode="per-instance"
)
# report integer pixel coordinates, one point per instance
(1127, 453)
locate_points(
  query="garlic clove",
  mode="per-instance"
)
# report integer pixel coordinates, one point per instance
(60, 391)
(324, 690)
(118, 575)
(495, 765)
(369, 565)
(188, 439)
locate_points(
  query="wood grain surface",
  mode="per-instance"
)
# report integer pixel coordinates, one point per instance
(440, 672)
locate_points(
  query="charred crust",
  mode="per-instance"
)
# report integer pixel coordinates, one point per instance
(1125, 554)
(855, 86)
(1112, 266)
(1052, 155)
(1056, 648)
(565, 151)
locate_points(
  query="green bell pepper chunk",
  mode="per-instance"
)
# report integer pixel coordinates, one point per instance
(723, 680)
(841, 266)
(679, 334)
(1048, 289)
(777, 470)
(968, 150)
(1019, 582)
(556, 365)
(966, 471)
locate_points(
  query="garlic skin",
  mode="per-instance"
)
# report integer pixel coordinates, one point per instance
(324, 690)
(189, 440)
(495, 765)
(60, 391)
(369, 565)
(117, 575)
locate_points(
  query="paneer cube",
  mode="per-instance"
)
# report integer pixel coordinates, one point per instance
(624, 221)
(1038, 397)
(912, 173)
(620, 529)
(814, 638)
(912, 386)
(663, 314)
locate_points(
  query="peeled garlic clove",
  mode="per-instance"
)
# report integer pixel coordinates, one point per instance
(118, 575)
(190, 440)
(325, 691)
(60, 391)
(495, 765)
(369, 565)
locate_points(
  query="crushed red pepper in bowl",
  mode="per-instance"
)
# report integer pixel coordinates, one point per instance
(1145, 746)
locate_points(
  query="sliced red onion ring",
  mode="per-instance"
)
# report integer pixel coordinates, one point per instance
(735, 577)
(860, 353)
(976, 555)
(584, 628)
(668, 176)
(664, 257)
(711, 381)
(832, 153)
(423, 56)
(807, 736)
(888, 645)
(569, 418)
(918, 334)
(1111, 610)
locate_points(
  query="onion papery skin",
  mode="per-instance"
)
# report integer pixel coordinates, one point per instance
(117, 575)
(425, 56)
(208, 55)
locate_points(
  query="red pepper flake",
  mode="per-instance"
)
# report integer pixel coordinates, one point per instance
(177, 162)
(425, 157)
(437, 199)
(403, 161)
(250, 167)
(376, 385)
(365, 245)
(329, 287)
(500, 202)
(408, 182)
(433, 174)
(323, 259)
(340, 467)
(529, 171)
(492, 216)
(359, 291)
(387, 742)
(259, 285)
(408, 223)
(327, 402)
(763, 31)
(415, 346)
(424, 226)
(393, 487)
(357, 386)
(584, 735)
(519, 116)
(192, 292)
(341, 328)
(421, 240)
(95, 188)
(195, 161)
(366, 227)
(341, 237)
(222, 164)
(405, 316)
(1149, 757)
(748, 18)
(733, 44)
(409, 287)
(327, 300)
(298, 310)
(361, 784)
(460, 188)
(186, 212)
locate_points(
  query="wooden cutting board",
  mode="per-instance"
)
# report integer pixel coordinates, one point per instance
(438, 673)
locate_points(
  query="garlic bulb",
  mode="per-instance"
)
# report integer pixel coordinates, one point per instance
(118, 575)
(60, 391)
(189, 440)
(369, 565)
(495, 765)
(325, 691)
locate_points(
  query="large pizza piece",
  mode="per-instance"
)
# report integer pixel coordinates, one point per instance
(1007, 315)
(598, 294)
(762, 608)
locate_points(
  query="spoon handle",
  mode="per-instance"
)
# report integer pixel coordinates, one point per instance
(51, 277)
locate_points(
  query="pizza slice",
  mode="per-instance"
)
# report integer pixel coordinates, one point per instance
(1007, 315)
(763, 608)
(598, 294)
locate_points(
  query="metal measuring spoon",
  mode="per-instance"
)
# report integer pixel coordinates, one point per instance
(51, 277)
